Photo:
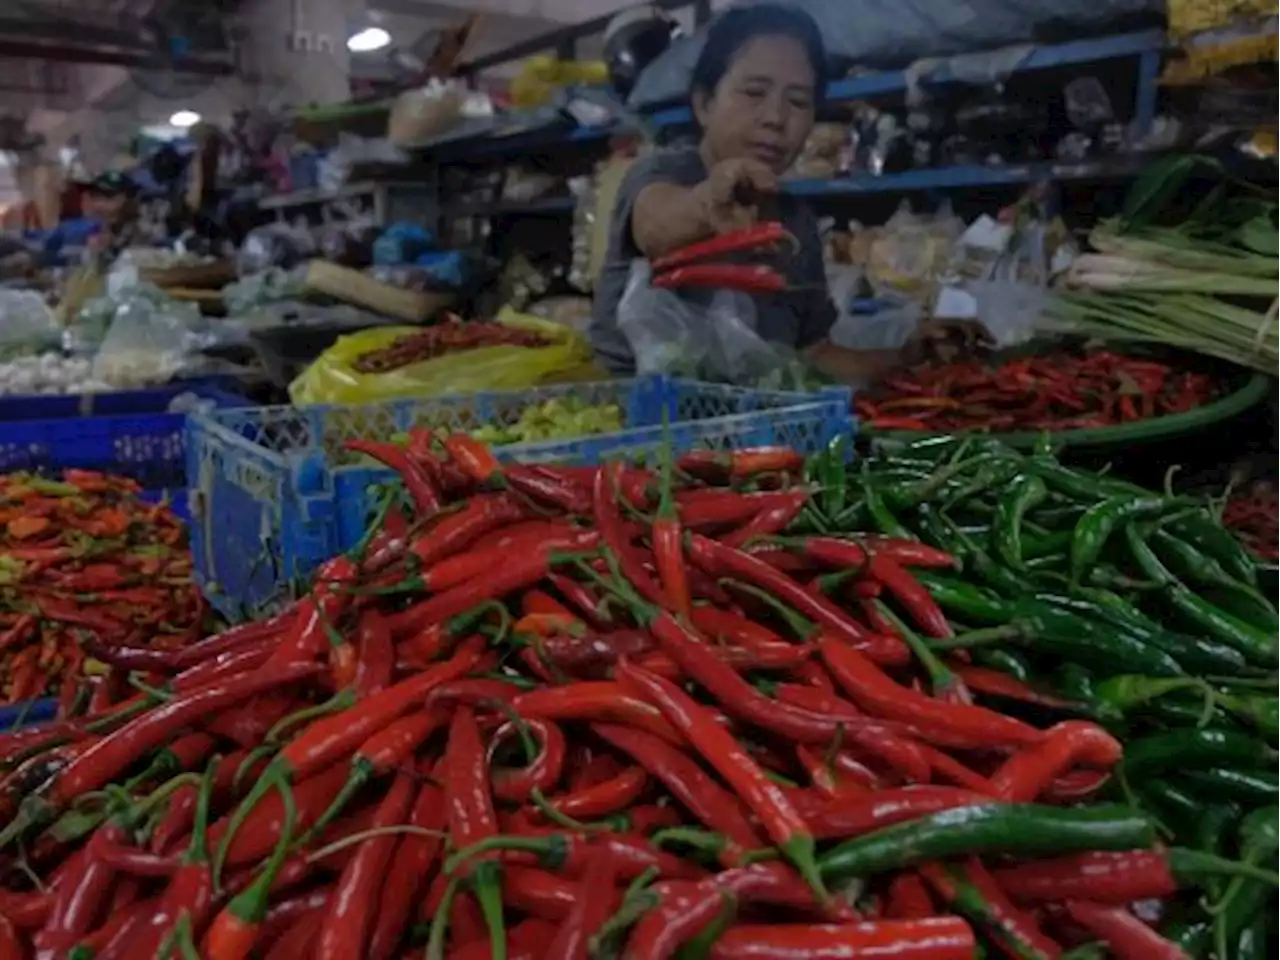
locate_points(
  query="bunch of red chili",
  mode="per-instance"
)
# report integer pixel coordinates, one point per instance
(1058, 391)
(575, 712)
(453, 336)
(1255, 518)
(82, 559)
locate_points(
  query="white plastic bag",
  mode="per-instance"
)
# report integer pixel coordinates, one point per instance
(707, 334)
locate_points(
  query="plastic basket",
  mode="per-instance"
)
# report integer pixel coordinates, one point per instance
(18, 715)
(274, 494)
(130, 433)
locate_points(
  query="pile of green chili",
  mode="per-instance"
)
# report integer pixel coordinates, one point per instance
(1079, 594)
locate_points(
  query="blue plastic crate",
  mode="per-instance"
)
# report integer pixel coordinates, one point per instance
(129, 432)
(19, 715)
(274, 494)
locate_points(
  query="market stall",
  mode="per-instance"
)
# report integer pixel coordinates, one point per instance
(359, 599)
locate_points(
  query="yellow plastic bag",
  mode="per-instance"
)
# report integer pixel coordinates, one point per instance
(332, 378)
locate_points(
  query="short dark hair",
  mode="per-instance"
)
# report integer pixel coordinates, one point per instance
(736, 27)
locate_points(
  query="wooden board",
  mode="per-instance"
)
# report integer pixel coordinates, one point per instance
(352, 286)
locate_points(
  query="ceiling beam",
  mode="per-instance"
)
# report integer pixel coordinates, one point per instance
(69, 42)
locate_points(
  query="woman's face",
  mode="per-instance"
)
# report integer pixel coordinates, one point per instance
(763, 106)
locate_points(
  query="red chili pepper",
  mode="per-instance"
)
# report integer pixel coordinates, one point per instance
(539, 893)
(309, 639)
(542, 773)
(679, 910)
(834, 818)
(347, 924)
(913, 596)
(950, 724)
(910, 553)
(701, 795)
(1117, 877)
(933, 938)
(597, 899)
(190, 891)
(12, 944)
(477, 563)
(908, 898)
(1127, 937)
(376, 661)
(540, 484)
(115, 752)
(769, 521)
(416, 478)
(719, 748)
(407, 873)
(739, 464)
(994, 683)
(595, 700)
(456, 531)
(1027, 773)
(581, 598)
(609, 525)
(471, 815)
(668, 548)
(474, 458)
(716, 559)
(1015, 933)
(755, 237)
(615, 795)
(235, 929)
(334, 737)
(82, 894)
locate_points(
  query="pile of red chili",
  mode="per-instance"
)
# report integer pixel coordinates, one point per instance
(1058, 391)
(570, 712)
(1254, 517)
(83, 560)
(444, 338)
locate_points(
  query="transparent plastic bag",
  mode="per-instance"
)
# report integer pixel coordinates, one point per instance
(150, 338)
(1011, 297)
(714, 339)
(334, 379)
(27, 325)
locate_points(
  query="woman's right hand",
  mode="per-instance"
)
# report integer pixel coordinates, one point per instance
(728, 195)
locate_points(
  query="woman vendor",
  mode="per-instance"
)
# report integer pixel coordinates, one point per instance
(754, 93)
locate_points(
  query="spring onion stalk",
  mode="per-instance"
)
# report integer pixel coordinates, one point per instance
(1168, 286)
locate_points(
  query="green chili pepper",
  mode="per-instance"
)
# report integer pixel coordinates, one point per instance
(881, 516)
(1004, 580)
(1201, 530)
(1195, 654)
(834, 483)
(1260, 710)
(1035, 546)
(1094, 529)
(1027, 492)
(928, 489)
(1026, 829)
(1244, 899)
(1126, 692)
(1006, 661)
(1094, 645)
(1191, 749)
(1080, 485)
(968, 601)
(1192, 935)
(1192, 566)
(1173, 804)
(995, 474)
(1211, 835)
(1255, 644)
(1247, 786)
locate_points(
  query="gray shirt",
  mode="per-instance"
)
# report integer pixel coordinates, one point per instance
(795, 319)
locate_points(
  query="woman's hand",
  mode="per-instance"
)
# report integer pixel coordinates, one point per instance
(729, 194)
(933, 339)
